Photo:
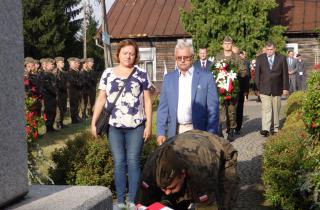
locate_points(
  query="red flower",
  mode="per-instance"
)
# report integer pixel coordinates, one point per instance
(227, 98)
(221, 90)
(28, 129)
(26, 82)
(33, 89)
(314, 125)
(230, 87)
(35, 135)
(29, 116)
(45, 117)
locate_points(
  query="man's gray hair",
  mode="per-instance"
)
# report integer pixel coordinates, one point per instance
(181, 44)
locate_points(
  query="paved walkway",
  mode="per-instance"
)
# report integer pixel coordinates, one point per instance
(250, 149)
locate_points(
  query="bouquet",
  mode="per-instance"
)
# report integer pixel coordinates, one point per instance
(225, 75)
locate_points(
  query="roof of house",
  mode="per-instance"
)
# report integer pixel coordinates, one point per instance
(299, 16)
(161, 18)
(146, 18)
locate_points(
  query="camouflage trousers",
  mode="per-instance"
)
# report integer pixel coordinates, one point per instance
(228, 114)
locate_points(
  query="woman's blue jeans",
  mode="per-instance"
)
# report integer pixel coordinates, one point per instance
(126, 145)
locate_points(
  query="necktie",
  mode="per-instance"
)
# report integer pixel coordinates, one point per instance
(270, 62)
(203, 65)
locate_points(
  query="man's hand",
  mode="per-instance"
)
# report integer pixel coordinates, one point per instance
(285, 93)
(160, 140)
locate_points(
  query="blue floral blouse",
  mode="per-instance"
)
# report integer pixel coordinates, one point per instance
(129, 109)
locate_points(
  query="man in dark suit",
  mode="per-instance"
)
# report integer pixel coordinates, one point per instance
(301, 73)
(188, 98)
(272, 81)
(203, 63)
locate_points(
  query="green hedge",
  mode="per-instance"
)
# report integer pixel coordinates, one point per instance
(292, 157)
(294, 102)
(87, 161)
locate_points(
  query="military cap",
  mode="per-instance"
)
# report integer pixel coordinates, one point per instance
(89, 60)
(59, 59)
(49, 60)
(70, 59)
(168, 166)
(28, 60)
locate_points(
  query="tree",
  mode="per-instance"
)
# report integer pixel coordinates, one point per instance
(93, 50)
(246, 21)
(49, 27)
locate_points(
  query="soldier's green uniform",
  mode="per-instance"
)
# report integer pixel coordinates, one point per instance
(62, 92)
(74, 90)
(49, 92)
(83, 77)
(92, 84)
(211, 180)
(228, 109)
(33, 87)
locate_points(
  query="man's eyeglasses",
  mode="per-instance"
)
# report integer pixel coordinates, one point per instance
(185, 58)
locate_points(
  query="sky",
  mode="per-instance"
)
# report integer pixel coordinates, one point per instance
(97, 9)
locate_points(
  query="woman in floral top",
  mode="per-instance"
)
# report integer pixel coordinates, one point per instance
(131, 119)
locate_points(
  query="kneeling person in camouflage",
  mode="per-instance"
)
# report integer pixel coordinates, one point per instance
(193, 170)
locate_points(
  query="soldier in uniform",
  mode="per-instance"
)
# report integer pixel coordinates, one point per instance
(92, 83)
(194, 168)
(33, 85)
(49, 91)
(84, 81)
(228, 109)
(74, 87)
(62, 90)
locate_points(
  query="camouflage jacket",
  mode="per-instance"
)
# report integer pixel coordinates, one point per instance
(211, 180)
(241, 68)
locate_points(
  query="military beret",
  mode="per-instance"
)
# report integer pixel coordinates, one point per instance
(89, 60)
(59, 59)
(49, 60)
(70, 59)
(168, 166)
(28, 60)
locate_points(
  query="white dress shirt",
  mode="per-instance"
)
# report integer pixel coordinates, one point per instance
(184, 97)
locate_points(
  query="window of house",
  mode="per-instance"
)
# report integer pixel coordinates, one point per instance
(148, 61)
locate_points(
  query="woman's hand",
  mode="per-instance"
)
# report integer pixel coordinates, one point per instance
(147, 134)
(94, 131)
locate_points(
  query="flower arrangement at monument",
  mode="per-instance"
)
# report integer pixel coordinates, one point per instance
(33, 124)
(225, 75)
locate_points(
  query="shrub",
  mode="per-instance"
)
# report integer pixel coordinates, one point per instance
(88, 161)
(282, 163)
(294, 102)
(311, 105)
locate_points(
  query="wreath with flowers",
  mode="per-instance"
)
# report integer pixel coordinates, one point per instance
(225, 75)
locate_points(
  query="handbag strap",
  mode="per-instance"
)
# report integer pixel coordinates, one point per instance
(120, 91)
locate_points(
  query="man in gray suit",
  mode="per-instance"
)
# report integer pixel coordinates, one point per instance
(292, 70)
(301, 73)
(272, 81)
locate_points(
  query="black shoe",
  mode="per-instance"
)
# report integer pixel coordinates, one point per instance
(264, 133)
(231, 136)
(273, 132)
(237, 131)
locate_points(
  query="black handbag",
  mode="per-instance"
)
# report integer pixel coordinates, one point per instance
(102, 123)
